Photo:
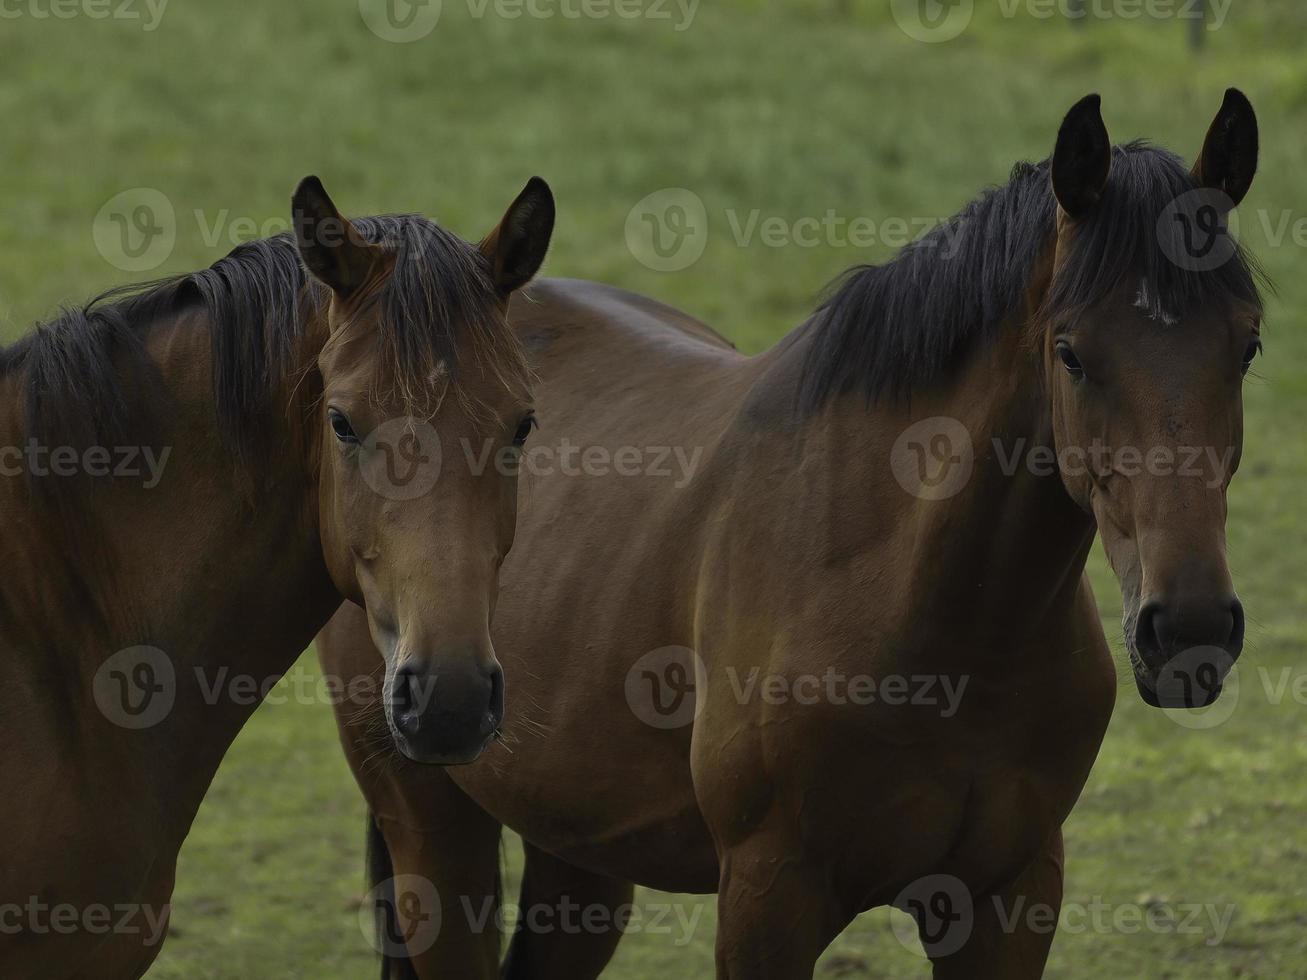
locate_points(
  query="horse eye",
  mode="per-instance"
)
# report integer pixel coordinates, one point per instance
(340, 426)
(1070, 361)
(1250, 354)
(524, 429)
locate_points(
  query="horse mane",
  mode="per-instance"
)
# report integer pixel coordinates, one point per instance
(437, 308)
(887, 330)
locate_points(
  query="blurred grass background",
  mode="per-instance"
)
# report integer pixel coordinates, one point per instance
(793, 109)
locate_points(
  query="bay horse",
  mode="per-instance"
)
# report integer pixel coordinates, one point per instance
(1026, 353)
(281, 385)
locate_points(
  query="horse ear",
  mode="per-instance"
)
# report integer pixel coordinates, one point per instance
(1228, 160)
(329, 245)
(517, 246)
(1082, 158)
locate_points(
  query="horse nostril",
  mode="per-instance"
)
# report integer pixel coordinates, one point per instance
(496, 695)
(1235, 643)
(404, 701)
(1150, 636)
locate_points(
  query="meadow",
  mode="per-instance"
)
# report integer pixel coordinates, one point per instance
(761, 109)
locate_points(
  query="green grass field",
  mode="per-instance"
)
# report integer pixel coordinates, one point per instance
(791, 109)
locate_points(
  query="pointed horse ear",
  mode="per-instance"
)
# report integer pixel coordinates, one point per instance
(1082, 158)
(1228, 159)
(331, 248)
(516, 247)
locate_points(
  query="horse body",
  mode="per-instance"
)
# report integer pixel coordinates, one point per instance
(835, 593)
(785, 556)
(143, 620)
(99, 811)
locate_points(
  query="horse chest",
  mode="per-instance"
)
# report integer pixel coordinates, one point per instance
(966, 775)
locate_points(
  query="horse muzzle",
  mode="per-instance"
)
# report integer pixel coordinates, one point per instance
(446, 710)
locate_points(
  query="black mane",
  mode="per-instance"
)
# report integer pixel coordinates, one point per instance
(438, 302)
(889, 329)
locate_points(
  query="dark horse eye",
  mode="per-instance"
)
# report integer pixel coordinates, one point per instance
(524, 429)
(1250, 354)
(340, 425)
(1070, 362)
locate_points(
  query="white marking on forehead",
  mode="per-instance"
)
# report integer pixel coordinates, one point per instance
(1152, 305)
(439, 374)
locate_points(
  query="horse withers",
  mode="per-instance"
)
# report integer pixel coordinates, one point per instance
(870, 580)
(295, 420)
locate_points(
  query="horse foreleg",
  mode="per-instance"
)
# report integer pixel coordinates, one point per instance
(540, 949)
(775, 913)
(1012, 929)
(446, 875)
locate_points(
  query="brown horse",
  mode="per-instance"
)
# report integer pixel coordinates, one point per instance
(851, 658)
(140, 609)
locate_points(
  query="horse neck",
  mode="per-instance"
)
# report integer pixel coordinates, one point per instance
(1019, 542)
(218, 566)
(1009, 546)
